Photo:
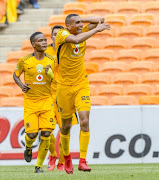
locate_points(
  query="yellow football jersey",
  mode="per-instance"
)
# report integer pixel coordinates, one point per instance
(35, 75)
(70, 57)
(52, 52)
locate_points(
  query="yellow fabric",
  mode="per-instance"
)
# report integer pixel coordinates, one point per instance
(50, 73)
(3, 19)
(34, 74)
(52, 146)
(33, 121)
(11, 10)
(43, 149)
(28, 141)
(71, 68)
(84, 141)
(69, 97)
(65, 141)
(61, 156)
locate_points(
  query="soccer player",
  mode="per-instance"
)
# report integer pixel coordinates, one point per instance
(73, 91)
(38, 104)
(53, 156)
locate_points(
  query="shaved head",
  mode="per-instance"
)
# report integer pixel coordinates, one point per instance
(68, 18)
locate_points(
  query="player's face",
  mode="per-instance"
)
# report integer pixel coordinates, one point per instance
(53, 36)
(76, 25)
(40, 42)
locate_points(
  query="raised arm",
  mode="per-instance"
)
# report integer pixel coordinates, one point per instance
(24, 87)
(76, 39)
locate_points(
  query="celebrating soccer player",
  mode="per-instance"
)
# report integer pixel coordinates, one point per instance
(38, 104)
(53, 156)
(73, 91)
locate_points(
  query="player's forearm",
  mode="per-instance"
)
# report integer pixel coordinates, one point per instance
(17, 80)
(93, 20)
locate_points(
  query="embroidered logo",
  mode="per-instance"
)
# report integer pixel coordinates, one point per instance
(76, 50)
(39, 68)
(39, 77)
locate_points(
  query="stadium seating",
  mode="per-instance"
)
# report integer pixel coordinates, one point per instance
(8, 81)
(149, 100)
(156, 90)
(7, 69)
(130, 31)
(105, 34)
(116, 20)
(124, 100)
(143, 19)
(99, 79)
(18, 92)
(75, 8)
(14, 56)
(99, 100)
(3, 4)
(151, 7)
(151, 55)
(6, 91)
(57, 19)
(113, 67)
(101, 8)
(92, 44)
(26, 46)
(128, 55)
(93, 89)
(12, 101)
(151, 78)
(91, 67)
(138, 90)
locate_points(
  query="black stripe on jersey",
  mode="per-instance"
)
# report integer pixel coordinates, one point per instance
(49, 56)
(58, 53)
(50, 45)
(28, 56)
(77, 117)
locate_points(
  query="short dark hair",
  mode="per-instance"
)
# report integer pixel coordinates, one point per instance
(32, 37)
(56, 27)
(67, 20)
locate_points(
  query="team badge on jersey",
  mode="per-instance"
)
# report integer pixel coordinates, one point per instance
(39, 68)
(17, 67)
(39, 77)
(64, 33)
(76, 50)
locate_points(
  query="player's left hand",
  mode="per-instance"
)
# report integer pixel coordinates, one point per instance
(47, 68)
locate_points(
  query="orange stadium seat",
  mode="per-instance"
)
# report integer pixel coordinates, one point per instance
(101, 8)
(92, 89)
(115, 43)
(143, 43)
(3, 5)
(88, 1)
(128, 55)
(143, 19)
(156, 89)
(57, 19)
(99, 78)
(124, 100)
(6, 91)
(14, 56)
(115, 1)
(46, 31)
(129, 8)
(151, 7)
(26, 46)
(138, 90)
(113, 67)
(130, 31)
(116, 20)
(7, 69)
(143, 1)
(150, 78)
(151, 55)
(8, 81)
(99, 100)
(92, 44)
(149, 100)
(75, 8)
(91, 67)
(18, 92)
(101, 56)
(126, 78)
(141, 67)
(110, 90)
(105, 34)
(12, 101)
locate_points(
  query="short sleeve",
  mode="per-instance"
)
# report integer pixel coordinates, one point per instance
(85, 28)
(61, 36)
(20, 67)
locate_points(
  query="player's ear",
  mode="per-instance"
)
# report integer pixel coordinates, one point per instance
(33, 44)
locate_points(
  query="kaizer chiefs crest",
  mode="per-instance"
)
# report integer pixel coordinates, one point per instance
(39, 68)
(76, 50)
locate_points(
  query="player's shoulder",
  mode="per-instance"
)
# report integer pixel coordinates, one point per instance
(28, 56)
(63, 32)
(50, 56)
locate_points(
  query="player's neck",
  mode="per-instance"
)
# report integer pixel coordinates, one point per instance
(53, 46)
(39, 55)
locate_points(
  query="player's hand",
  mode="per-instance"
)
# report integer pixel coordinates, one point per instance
(102, 26)
(47, 68)
(25, 87)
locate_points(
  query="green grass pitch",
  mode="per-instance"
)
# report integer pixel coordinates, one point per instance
(99, 172)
